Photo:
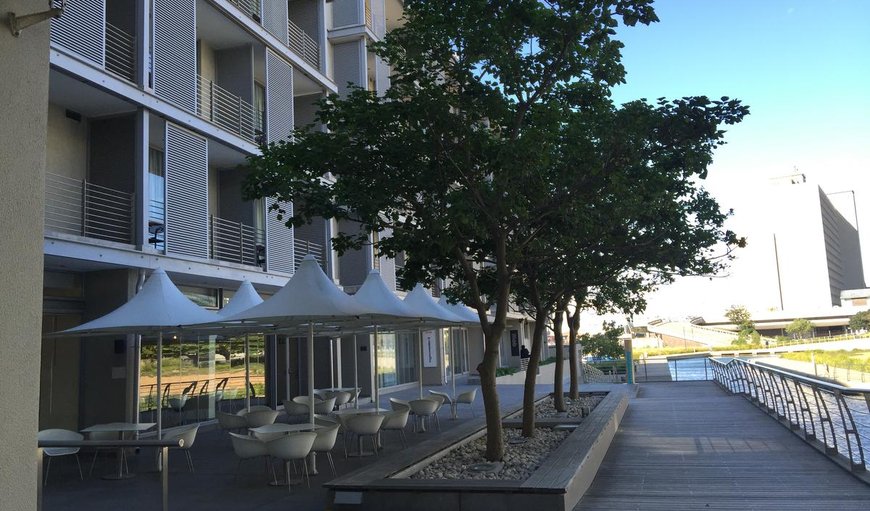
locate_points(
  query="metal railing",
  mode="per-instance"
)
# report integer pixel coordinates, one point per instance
(302, 248)
(250, 7)
(832, 418)
(227, 110)
(81, 208)
(120, 53)
(368, 12)
(236, 242)
(303, 44)
(163, 445)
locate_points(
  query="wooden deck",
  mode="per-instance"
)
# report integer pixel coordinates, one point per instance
(690, 445)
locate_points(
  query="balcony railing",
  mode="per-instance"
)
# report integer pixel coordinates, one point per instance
(75, 206)
(223, 108)
(120, 53)
(368, 11)
(302, 248)
(236, 242)
(249, 7)
(303, 44)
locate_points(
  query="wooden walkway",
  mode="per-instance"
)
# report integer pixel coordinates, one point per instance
(690, 445)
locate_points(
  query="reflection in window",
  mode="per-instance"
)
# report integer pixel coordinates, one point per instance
(200, 375)
(397, 358)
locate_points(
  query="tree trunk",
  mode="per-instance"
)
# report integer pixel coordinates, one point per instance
(573, 327)
(531, 373)
(558, 385)
(486, 369)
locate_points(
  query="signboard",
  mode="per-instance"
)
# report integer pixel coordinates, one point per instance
(430, 349)
(515, 343)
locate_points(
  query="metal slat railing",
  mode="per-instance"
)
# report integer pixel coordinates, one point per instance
(82, 208)
(303, 44)
(227, 110)
(833, 418)
(120, 53)
(302, 248)
(250, 7)
(236, 242)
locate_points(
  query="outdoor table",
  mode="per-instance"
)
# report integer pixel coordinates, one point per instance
(121, 428)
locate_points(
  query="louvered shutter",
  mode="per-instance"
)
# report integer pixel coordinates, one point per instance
(275, 18)
(279, 239)
(174, 58)
(279, 98)
(186, 193)
(81, 29)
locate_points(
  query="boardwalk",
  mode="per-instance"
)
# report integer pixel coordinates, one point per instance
(690, 445)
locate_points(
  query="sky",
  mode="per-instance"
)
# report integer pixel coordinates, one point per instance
(803, 67)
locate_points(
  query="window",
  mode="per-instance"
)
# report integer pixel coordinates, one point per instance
(157, 203)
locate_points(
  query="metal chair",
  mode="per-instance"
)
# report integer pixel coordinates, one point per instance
(422, 410)
(294, 409)
(362, 425)
(51, 452)
(247, 448)
(186, 433)
(447, 399)
(325, 442)
(396, 421)
(466, 398)
(295, 446)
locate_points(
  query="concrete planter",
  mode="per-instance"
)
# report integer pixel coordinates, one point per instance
(558, 484)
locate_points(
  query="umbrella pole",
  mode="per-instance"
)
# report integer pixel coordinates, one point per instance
(332, 362)
(287, 367)
(355, 375)
(420, 365)
(453, 364)
(311, 373)
(247, 374)
(375, 349)
(159, 385)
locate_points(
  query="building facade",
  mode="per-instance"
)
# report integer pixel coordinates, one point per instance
(153, 107)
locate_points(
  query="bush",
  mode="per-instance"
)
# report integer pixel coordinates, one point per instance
(505, 371)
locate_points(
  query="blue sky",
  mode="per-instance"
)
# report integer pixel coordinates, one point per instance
(803, 67)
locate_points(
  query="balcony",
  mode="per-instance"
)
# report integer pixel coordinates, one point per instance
(236, 242)
(228, 111)
(81, 208)
(368, 12)
(303, 44)
(302, 248)
(120, 53)
(249, 7)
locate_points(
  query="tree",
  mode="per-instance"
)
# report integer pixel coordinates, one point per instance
(605, 343)
(741, 317)
(799, 328)
(488, 137)
(860, 321)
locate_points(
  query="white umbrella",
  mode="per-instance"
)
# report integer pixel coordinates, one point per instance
(159, 307)
(379, 304)
(309, 297)
(245, 298)
(422, 302)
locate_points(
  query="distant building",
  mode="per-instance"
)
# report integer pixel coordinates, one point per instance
(816, 249)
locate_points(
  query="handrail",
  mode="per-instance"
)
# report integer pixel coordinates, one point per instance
(164, 446)
(303, 44)
(227, 110)
(833, 418)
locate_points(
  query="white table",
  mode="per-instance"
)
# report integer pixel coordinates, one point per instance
(280, 427)
(120, 428)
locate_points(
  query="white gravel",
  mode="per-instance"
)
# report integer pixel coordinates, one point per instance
(522, 455)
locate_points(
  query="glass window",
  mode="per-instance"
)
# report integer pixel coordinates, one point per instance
(397, 358)
(157, 202)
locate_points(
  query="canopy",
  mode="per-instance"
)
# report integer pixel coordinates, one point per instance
(424, 306)
(309, 296)
(468, 316)
(379, 303)
(158, 307)
(245, 298)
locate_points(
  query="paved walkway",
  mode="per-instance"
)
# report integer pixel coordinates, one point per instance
(689, 445)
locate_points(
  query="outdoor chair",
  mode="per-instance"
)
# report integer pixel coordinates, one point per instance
(342, 398)
(51, 452)
(422, 410)
(219, 393)
(325, 442)
(231, 422)
(466, 398)
(257, 418)
(440, 400)
(398, 404)
(177, 403)
(247, 448)
(325, 406)
(396, 421)
(186, 433)
(304, 400)
(295, 446)
(447, 399)
(363, 425)
(294, 409)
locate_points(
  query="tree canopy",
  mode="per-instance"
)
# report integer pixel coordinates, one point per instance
(860, 321)
(496, 133)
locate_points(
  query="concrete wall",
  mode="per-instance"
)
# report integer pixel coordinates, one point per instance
(24, 87)
(67, 149)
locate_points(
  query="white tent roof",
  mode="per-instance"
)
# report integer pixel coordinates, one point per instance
(378, 302)
(457, 309)
(308, 296)
(158, 306)
(245, 298)
(427, 308)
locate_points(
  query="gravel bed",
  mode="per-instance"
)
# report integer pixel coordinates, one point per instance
(520, 459)
(522, 455)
